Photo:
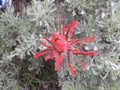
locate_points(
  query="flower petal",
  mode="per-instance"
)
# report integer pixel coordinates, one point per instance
(40, 53)
(72, 72)
(64, 28)
(90, 53)
(61, 44)
(54, 36)
(72, 41)
(72, 24)
(48, 56)
(46, 39)
(43, 44)
(78, 43)
(53, 54)
(88, 39)
(82, 64)
(74, 50)
(58, 62)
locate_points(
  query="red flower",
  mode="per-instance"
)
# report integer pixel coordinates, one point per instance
(62, 44)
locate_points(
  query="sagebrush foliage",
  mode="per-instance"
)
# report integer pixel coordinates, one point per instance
(19, 40)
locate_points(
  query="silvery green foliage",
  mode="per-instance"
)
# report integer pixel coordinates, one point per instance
(19, 40)
(43, 15)
(103, 70)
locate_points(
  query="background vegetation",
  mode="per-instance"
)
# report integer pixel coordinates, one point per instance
(19, 41)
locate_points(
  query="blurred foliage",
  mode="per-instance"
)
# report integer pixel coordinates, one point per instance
(19, 40)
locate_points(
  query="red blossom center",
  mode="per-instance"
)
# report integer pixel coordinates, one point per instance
(62, 43)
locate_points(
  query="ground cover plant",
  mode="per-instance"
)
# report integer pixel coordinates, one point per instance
(61, 45)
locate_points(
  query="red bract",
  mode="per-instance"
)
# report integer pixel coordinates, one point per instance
(58, 62)
(62, 44)
(88, 39)
(71, 69)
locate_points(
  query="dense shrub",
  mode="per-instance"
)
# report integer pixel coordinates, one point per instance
(19, 40)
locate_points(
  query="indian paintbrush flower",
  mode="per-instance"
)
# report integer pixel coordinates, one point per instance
(62, 44)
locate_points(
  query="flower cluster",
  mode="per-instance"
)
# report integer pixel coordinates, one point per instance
(62, 44)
